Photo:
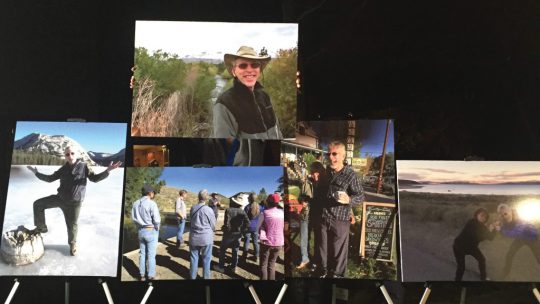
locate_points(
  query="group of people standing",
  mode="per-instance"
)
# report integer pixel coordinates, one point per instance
(327, 196)
(258, 222)
(477, 229)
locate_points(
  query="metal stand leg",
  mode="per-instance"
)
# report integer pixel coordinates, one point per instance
(12, 292)
(426, 294)
(385, 293)
(281, 294)
(147, 294)
(253, 293)
(207, 289)
(536, 292)
(66, 292)
(106, 290)
(463, 295)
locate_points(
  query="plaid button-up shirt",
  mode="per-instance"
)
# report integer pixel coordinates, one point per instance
(344, 180)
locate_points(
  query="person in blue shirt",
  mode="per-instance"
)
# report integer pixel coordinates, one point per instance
(201, 235)
(145, 214)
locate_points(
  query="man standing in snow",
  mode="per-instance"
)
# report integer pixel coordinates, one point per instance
(73, 176)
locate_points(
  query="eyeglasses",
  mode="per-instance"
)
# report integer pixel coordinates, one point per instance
(333, 154)
(70, 153)
(244, 65)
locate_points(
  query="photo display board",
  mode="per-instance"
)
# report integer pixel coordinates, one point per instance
(215, 215)
(215, 80)
(315, 180)
(469, 220)
(64, 200)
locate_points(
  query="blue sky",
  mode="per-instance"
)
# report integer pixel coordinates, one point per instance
(184, 37)
(369, 132)
(96, 137)
(224, 180)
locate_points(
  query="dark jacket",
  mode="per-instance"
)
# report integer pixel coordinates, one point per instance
(242, 113)
(73, 180)
(236, 221)
(472, 234)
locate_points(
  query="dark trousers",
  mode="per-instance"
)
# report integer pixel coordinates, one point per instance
(269, 255)
(71, 212)
(333, 245)
(460, 253)
(534, 245)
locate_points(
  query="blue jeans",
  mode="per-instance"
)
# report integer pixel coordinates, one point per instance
(229, 241)
(206, 253)
(249, 236)
(304, 240)
(148, 240)
(180, 234)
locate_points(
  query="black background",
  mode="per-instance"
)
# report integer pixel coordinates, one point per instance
(460, 78)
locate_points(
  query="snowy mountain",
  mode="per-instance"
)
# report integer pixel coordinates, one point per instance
(56, 144)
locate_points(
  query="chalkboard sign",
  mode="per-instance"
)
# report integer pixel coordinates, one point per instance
(378, 231)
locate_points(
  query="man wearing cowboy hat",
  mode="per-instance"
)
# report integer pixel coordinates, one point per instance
(245, 110)
(235, 225)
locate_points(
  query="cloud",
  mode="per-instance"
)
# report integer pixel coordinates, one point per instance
(411, 176)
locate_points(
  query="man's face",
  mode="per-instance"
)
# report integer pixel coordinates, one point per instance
(247, 71)
(336, 155)
(506, 215)
(71, 156)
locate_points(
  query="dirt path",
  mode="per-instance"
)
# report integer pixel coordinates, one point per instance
(173, 263)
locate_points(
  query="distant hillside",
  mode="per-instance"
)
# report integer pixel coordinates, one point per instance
(166, 199)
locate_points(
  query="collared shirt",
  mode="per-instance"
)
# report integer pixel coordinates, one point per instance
(202, 225)
(180, 208)
(145, 213)
(344, 180)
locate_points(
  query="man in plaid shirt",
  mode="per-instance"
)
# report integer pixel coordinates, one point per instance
(344, 190)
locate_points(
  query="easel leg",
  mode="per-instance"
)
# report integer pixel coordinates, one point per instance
(536, 292)
(426, 294)
(12, 292)
(147, 294)
(106, 290)
(66, 292)
(281, 294)
(463, 295)
(385, 293)
(207, 291)
(253, 293)
(333, 293)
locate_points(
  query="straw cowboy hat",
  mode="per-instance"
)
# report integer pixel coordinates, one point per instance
(240, 199)
(245, 52)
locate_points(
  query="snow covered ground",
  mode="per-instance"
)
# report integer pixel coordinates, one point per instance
(99, 225)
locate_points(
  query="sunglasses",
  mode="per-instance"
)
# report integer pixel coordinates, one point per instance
(70, 153)
(333, 154)
(254, 65)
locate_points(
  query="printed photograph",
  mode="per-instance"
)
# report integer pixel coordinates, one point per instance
(214, 80)
(205, 152)
(203, 223)
(64, 200)
(469, 220)
(340, 200)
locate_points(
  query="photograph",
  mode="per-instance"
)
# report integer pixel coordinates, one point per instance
(469, 220)
(340, 200)
(214, 80)
(64, 200)
(217, 223)
(205, 152)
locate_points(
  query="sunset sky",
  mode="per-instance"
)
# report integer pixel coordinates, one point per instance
(482, 172)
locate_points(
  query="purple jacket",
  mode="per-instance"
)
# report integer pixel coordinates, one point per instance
(520, 230)
(272, 222)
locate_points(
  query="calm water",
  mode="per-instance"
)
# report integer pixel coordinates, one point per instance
(477, 189)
